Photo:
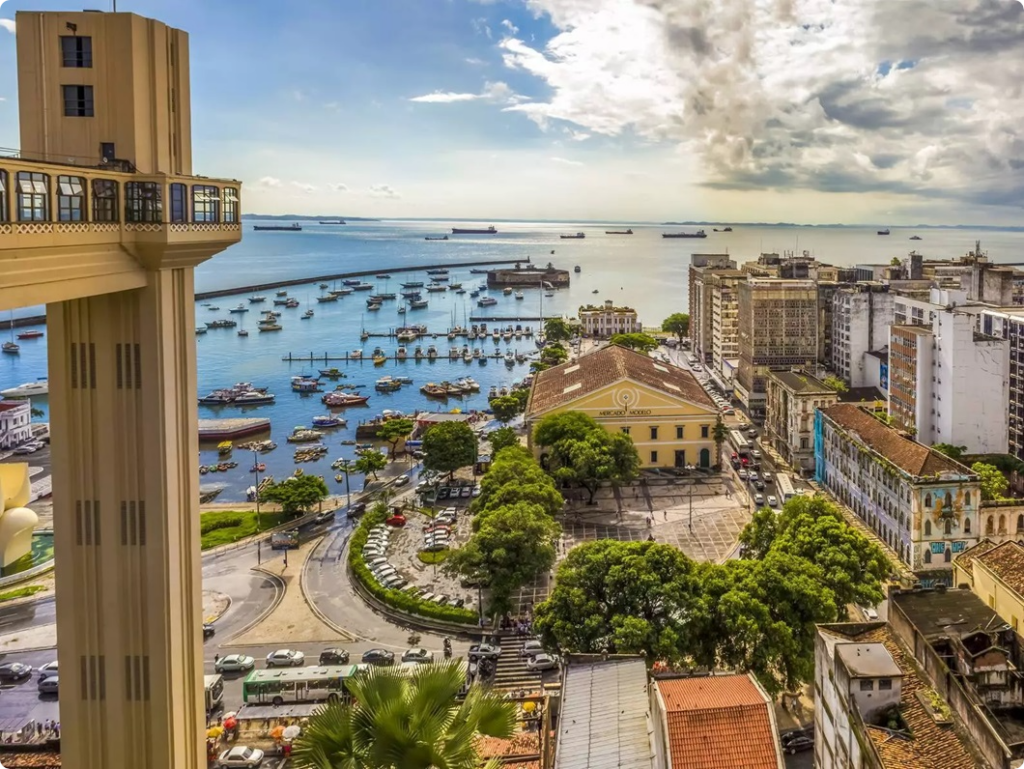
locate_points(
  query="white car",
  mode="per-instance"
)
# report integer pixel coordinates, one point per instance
(742, 474)
(234, 663)
(542, 662)
(47, 670)
(285, 658)
(531, 648)
(247, 758)
(28, 448)
(755, 453)
(869, 612)
(772, 501)
(759, 500)
(401, 480)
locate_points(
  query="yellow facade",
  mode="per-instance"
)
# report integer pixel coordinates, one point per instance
(667, 431)
(997, 595)
(108, 239)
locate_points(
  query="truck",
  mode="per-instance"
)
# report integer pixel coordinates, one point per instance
(284, 540)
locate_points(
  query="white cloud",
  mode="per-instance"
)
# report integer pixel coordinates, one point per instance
(269, 181)
(497, 92)
(9, 25)
(475, 61)
(383, 191)
(577, 136)
(481, 28)
(338, 187)
(796, 93)
(567, 162)
(512, 28)
(303, 187)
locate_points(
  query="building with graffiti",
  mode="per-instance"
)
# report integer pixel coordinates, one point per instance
(923, 504)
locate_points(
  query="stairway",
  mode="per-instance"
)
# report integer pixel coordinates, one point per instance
(510, 672)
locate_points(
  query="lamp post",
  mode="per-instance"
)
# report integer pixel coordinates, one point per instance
(348, 489)
(256, 468)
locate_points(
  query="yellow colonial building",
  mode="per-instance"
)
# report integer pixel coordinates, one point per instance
(662, 407)
(996, 575)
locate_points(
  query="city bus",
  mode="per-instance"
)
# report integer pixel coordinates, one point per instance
(784, 486)
(739, 442)
(214, 688)
(276, 686)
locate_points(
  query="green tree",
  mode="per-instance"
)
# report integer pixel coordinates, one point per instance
(410, 721)
(393, 431)
(370, 462)
(993, 482)
(506, 407)
(537, 366)
(895, 262)
(297, 493)
(36, 413)
(557, 330)
(553, 354)
(835, 383)
(677, 323)
(502, 438)
(719, 434)
(512, 546)
(543, 494)
(953, 452)
(621, 598)
(449, 446)
(639, 342)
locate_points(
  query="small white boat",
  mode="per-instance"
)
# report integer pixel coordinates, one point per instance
(519, 294)
(239, 308)
(243, 332)
(27, 390)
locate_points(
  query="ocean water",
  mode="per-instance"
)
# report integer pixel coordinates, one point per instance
(644, 270)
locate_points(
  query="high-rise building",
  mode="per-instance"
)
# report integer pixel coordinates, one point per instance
(101, 221)
(791, 398)
(701, 265)
(778, 329)
(861, 316)
(1008, 323)
(725, 312)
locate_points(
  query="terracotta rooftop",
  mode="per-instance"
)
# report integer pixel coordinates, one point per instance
(719, 722)
(931, 746)
(908, 455)
(1007, 562)
(800, 382)
(10, 405)
(589, 373)
(966, 559)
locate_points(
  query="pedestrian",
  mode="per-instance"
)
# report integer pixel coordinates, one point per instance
(216, 658)
(666, 515)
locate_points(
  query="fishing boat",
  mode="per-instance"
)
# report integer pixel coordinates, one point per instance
(618, 232)
(577, 236)
(333, 373)
(445, 237)
(211, 308)
(432, 390)
(387, 384)
(340, 399)
(36, 333)
(291, 304)
(200, 330)
(328, 298)
(355, 355)
(254, 398)
(576, 268)
(383, 276)
(417, 304)
(222, 323)
(282, 293)
(884, 232)
(264, 326)
(414, 284)
(304, 435)
(281, 302)
(259, 467)
(304, 384)
(323, 286)
(239, 308)
(307, 315)
(486, 301)
(328, 421)
(519, 295)
(257, 299)
(243, 332)
(225, 447)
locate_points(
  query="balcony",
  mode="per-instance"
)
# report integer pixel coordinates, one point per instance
(68, 231)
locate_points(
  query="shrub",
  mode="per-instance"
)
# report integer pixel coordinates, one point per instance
(397, 599)
(220, 523)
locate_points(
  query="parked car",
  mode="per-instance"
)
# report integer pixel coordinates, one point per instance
(286, 658)
(383, 572)
(397, 520)
(531, 648)
(484, 651)
(28, 448)
(372, 551)
(394, 582)
(458, 603)
(234, 663)
(418, 654)
(47, 670)
(14, 671)
(467, 491)
(442, 493)
(476, 490)
(436, 547)
(334, 656)
(542, 662)
(324, 516)
(378, 561)
(869, 612)
(208, 630)
(240, 755)
(48, 685)
(798, 744)
(378, 657)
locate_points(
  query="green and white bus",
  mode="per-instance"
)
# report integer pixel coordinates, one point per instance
(276, 686)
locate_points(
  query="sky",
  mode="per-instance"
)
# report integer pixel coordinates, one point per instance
(812, 111)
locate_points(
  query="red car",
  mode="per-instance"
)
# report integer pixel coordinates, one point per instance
(396, 520)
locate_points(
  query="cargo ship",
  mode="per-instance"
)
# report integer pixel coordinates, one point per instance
(577, 236)
(618, 232)
(697, 234)
(466, 231)
(277, 228)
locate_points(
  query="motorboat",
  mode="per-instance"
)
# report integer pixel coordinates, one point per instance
(257, 299)
(418, 304)
(304, 384)
(239, 308)
(355, 355)
(307, 315)
(35, 333)
(328, 421)
(507, 291)
(254, 398)
(383, 276)
(304, 435)
(270, 327)
(27, 390)
(243, 332)
(519, 295)
(333, 373)
(282, 293)
(200, 330)
(341, 399)
(487, 301)
(352, 281)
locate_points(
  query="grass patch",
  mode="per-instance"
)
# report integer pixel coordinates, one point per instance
(21, 592)
(432, 557)
(227, 526)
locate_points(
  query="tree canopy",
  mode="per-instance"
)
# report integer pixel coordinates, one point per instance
(583, 453)
(951, 451)
(506, 407)
(557, 330)
(835, 383)
(677, 323)
(411, 721)
(502, 438)
(370, 462)
(394, 430)
(993, 482)
(297, 493)
(553, 354)
(449, 446)
(640, 342)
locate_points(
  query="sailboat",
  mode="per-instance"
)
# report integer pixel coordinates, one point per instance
(11, 347)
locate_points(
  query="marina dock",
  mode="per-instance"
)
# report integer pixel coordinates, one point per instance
(230, 429)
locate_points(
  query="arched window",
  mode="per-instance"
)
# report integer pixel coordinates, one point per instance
(927, 528)
(948, 556)
(927, 555)
(967, 499)
(1002, 523)
(989, 524)
(1020, 523)
(967, 525)
(927, 500)
(949, 500)
(948, 529)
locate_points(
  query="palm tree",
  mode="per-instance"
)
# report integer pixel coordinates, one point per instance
(719, 433)
(401, 721)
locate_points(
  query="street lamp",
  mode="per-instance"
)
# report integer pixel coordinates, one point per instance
(348, 490)
(256, 468)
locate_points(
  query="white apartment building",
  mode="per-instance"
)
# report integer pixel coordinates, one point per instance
(949, 383)
(1008, 324)
(921, 503)
(608, 320)
(725, 325)
(861, 316)
(701, 267)
(15, 423)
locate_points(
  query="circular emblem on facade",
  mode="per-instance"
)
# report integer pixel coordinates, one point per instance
(626, 398)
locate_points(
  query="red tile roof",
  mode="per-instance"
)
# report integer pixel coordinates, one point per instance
(1007, 562)
(607, 366)
(908, 455)
(966, 559)
(719, 722)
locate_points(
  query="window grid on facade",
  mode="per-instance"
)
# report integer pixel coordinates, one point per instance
(33, 197)
(179, 206)
(4, 216)
(78, 101)
(104, 200)
(205, 203)
(230, 204)
(143, 202)
(70, 199)
(654, 457)
(654, 433)
(76, 51)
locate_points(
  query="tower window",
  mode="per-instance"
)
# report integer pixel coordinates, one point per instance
(3, 196)
(76, 51)
(33, 197)
(179, 208)
(104, 200)
(78, 101)
(70, 198)
(143, 202)
(205, 203)
(230, 204)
